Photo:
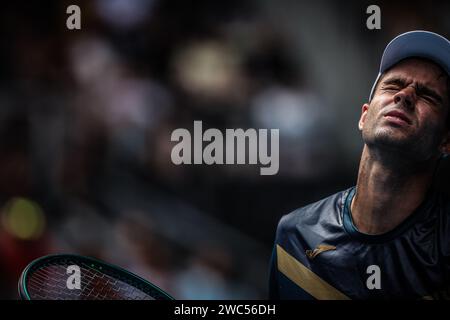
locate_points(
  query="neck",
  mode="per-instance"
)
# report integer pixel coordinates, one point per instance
(387, 192)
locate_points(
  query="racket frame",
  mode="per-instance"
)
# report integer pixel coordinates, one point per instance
(94, 263)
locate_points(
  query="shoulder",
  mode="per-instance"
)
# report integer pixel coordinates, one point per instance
(328, 209)
(437, 219)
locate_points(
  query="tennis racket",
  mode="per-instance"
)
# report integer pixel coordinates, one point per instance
(74, 277)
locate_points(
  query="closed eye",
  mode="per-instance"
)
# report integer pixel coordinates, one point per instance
(429, 99)
(391, 88)
(429, 95)
(393, 84)
(424, 92)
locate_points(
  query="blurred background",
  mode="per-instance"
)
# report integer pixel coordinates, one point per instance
(86, 118)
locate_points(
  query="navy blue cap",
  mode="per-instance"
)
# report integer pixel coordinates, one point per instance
(420, 44)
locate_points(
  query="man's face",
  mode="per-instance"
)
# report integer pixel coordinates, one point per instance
(408, 111)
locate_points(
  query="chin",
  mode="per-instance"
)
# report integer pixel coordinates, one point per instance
(390, 138)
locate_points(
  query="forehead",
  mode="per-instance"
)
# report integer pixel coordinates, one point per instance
(421, 71)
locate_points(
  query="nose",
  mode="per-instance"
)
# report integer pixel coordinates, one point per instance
(405, 97)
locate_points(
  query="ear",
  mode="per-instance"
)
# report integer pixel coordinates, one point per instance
(362, 119)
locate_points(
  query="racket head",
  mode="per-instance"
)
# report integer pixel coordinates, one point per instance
(46, 278)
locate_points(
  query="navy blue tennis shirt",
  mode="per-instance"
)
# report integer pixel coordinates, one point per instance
(320, 254)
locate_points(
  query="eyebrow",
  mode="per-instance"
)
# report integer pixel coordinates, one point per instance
(420, 88)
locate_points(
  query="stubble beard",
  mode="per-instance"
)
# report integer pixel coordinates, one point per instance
(395, 144)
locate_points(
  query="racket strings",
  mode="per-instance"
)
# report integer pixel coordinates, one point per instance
(49, 281)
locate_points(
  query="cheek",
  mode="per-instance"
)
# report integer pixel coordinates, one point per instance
(374, 110)
(430, 121)
(385, 99)
(428, 115)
